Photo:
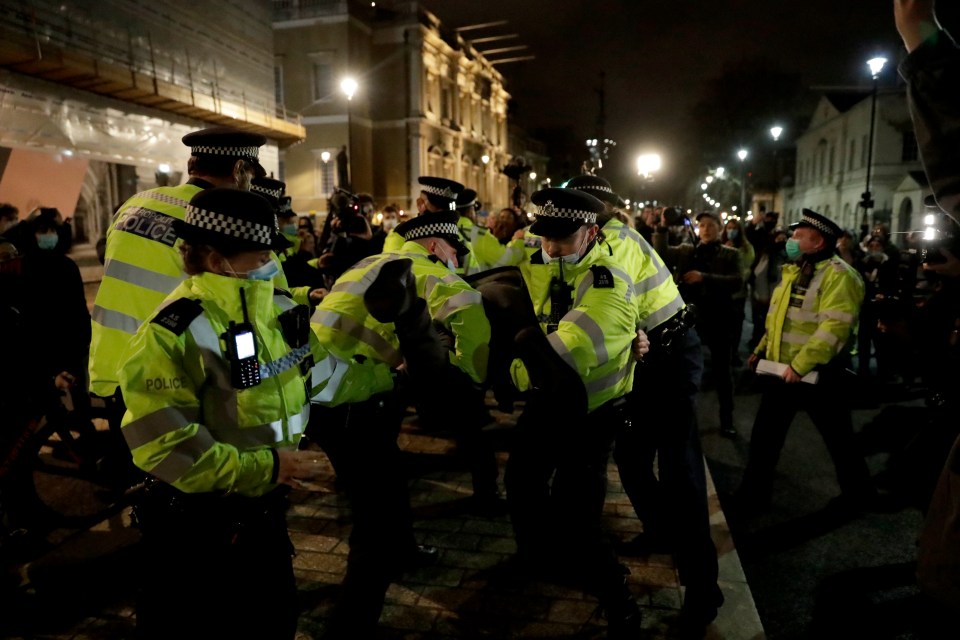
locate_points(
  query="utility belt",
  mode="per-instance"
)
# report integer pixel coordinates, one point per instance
(162, 507)
(667, 336)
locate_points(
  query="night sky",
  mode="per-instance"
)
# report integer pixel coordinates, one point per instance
(658, 57)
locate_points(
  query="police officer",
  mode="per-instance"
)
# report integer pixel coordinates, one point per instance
(216, 385)
(584, 308)
(142, 264)
(361, 436)
(436, 195)
(673, 503)
(486, 252)
(810, 327)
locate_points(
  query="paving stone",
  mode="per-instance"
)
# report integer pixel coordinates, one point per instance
(404, 617)
(327, 562)
(470, 559)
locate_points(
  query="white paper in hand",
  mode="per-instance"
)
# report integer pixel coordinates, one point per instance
(771, 368)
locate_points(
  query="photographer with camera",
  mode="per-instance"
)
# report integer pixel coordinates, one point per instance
(349, 237)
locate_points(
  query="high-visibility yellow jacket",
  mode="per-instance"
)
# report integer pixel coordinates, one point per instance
(806, 329)
(653, 289)
(142, 265)
(185, 423)
(486, 252)
(595, 335)
(344, 327)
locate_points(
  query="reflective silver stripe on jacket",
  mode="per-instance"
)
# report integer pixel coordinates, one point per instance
(184, 456)
(583, 287)
(331, 370)
(221, 389)
(810, 297)
(358, 331)
(794, 338)
(589, 326)
(835, 314)
(802, 316)
(115, 320)
(623, 275)
(246, 438)
(825, 336)
(610, 380)
(355, 287)
(663, 314)
(431, 281)
(159, 423)
(511, 255)
(141, 277)
(456, 302)
(651, 282)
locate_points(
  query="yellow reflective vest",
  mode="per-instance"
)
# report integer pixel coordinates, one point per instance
(344, 327)
(653, 289)
(806, 329)
(185, 423)
(142, 265)
(595, 336)
(486, 252)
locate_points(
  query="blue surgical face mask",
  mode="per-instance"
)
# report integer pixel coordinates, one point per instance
(571, 258)
(266, 271)
(792, 247)
(47, 240)
(289, 229)
(733, 233)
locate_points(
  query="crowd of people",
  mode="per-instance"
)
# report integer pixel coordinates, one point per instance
(236, 343)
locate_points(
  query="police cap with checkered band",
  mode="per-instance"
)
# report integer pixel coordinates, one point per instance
(597, 187)
(270, 189)
(560, 212)
(441, 224)
(820, 222)
(441, 193)
(228, 142)
(231, 221)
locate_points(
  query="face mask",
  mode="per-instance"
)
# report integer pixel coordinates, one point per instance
(792, 247)
(876, 255)
(47, 241)
(389, 224)
(289, 229)
(733, 233)
(572, 258)
(264, 272)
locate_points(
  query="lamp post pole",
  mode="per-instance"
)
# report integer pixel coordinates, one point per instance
(775, 132)
(876, 66)
(349, 87)
(742, 154)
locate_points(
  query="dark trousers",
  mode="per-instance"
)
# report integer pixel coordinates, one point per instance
(674, 505)
(758, 313)
(362, 440)
(721, 347)
(564, 517)
(830, 412)
(215, 567)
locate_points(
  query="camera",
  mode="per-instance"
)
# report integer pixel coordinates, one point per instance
(940, 231)
(346, 208)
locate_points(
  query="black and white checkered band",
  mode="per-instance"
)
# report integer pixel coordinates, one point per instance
(229, 226)
(468, 204)
(273, 193)
(818, 225)
(548, 210)
(432, 229)
(236, 152)
(595, 187)
(445, 192)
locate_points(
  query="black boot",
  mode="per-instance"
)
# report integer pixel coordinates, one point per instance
(623, 615)
(392, 291)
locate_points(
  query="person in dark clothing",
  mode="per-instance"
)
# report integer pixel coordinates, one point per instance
(879, 273)
(708, 276)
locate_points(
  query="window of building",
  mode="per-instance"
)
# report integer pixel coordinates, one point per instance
(325, 172)
(322, 83)
(833, 153)
(910, 150)
(278, 82)
(863, 151)
(853, 153)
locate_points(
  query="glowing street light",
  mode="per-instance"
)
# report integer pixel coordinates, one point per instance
(647, 164)
(775, 132)
(876, 66)
(485, 158)
(742, 154)
(349, 87)
(325, 156)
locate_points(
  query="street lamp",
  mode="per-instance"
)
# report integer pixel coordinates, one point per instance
(742, 154)
(349, 87)
(876, 66)
(775, 132)
(647, 164)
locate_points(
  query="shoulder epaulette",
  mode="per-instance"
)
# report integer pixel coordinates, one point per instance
(602, 277)
(177, 316)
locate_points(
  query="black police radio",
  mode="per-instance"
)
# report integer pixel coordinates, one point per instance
(242, 351)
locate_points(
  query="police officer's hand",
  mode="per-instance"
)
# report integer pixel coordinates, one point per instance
(641, 345)
(317, 295)
(298, 466)
(791, 377)
(519, 234)
(753, 361)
